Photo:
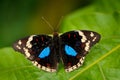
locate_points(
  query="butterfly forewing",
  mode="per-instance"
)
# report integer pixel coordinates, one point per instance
(38, 49)
(75, 45)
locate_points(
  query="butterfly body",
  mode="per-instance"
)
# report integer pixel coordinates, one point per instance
(45, 51)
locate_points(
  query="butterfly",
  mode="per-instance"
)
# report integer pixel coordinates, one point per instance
(46, 51)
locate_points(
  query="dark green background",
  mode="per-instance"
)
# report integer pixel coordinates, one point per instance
(19, 18)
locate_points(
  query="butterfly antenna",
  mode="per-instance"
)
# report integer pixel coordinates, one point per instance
(48, 23)
(58, 25)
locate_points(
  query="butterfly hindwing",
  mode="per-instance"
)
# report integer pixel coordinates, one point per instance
(38, 49)
(75, 45)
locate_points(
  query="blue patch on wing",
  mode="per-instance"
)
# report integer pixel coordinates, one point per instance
(70, 51)
(45, 52)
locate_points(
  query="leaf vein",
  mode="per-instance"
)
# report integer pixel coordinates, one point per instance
(95, 62)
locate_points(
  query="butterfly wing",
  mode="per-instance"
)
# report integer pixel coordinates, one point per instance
(38, 49)
(75, 45)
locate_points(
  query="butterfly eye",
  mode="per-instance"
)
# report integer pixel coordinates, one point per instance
(70, 51)
(45, 52)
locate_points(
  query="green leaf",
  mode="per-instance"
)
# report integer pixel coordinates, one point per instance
(103, 60)
(102, 63)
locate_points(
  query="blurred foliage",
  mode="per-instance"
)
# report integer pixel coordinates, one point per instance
(102, 16)
(19, 18)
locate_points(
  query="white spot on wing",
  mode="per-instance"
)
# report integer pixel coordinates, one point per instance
(28, 44)
(53, 70)
(83, 36)
(82, 60)
(19, 42)
(43, 67)
(69, 69)
(39, 66)
(48, 69)
(18, 47)
(94, 39)
(26, 52)
(35, 63)
(74, 67)
(87, 46)
(91, 34)
(78, 64)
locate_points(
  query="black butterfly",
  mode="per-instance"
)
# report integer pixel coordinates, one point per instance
(46, 51)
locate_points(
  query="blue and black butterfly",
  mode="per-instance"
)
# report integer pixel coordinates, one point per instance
(45, 51)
